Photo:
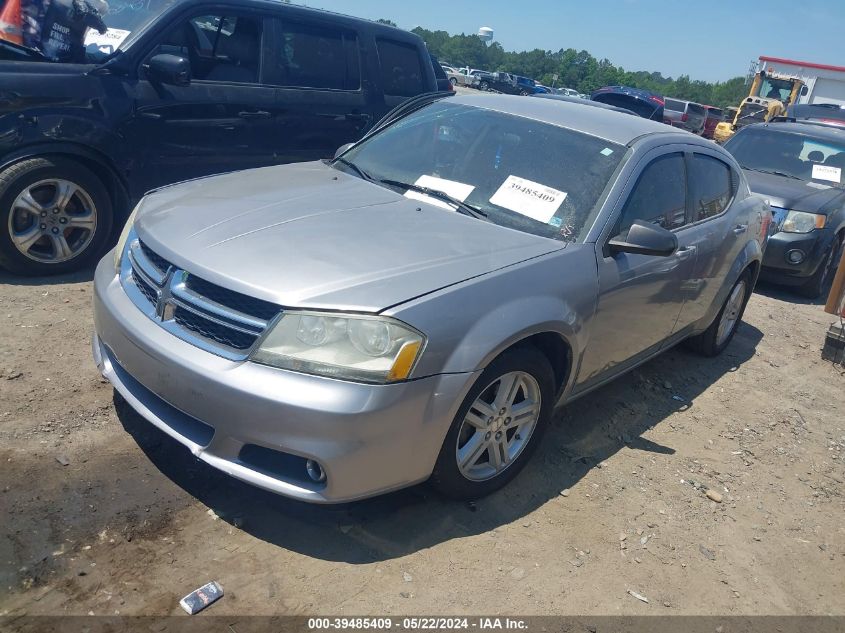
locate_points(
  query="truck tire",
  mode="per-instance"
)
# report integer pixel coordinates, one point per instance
(55, 216)
(820, 281)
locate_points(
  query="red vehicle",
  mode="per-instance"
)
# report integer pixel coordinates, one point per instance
(714, 117)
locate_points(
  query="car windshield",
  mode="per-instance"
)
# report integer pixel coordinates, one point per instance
(790, 154)
(513, 171)
(124, 19)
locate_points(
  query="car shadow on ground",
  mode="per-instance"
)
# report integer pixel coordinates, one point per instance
(787, 294)
(583, 435)
(79, 276)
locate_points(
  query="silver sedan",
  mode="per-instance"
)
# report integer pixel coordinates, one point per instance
(416, 308)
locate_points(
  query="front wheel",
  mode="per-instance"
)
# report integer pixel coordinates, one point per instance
(497, 427)
(453, 81)
(484, 86)
(55, 216)
(716, 338)
(820, 282)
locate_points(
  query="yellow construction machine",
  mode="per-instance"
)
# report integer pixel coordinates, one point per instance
(771, 93)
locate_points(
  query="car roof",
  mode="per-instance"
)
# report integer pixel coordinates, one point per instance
(639, 93)
(830, 133)
(587, 102)
(598, 122)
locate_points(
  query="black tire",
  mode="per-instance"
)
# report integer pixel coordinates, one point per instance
(16, 178)
(447, 477)
(484, 86)
(524, 93)
(820, 281)
(707, 343)
(453, 81)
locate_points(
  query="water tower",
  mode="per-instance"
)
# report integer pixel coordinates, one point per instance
(486, 34)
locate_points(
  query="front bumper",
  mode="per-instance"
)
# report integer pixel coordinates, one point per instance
(776, 268)
(260, 424)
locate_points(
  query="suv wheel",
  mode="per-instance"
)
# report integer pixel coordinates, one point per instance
(498, 425)
(55, 216)
(453, 81)
(484, 86)
(820, 282)
(716, 338)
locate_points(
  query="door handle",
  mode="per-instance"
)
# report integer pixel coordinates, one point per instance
(686, 252)
(256, 114)
(739, 229)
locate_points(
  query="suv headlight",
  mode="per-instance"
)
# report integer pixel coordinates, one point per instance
(124, 236)
(802, 222)
(369, 349)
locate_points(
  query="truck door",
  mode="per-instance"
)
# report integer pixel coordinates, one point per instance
(218, 122)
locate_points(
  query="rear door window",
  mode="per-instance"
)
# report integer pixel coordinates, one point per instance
(675, 106)
(401, 69)
(659, 197)
(711, 186)
(311, 56)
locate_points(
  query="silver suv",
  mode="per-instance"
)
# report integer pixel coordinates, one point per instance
(686, 115)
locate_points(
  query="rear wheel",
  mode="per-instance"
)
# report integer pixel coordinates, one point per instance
(716, 338)
(820, 282)
(484, 86)
(497, 427)
(453, 81)
(55, 216)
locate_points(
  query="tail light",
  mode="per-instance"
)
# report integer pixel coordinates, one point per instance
(684, 117)
(764, 226)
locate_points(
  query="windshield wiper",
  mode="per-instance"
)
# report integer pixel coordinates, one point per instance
(354, 168)
(774, 172)
(460, 205)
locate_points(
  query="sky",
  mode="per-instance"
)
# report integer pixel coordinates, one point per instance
(712, 40)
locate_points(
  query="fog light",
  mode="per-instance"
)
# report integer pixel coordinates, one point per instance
(795, 256)
(315, 471)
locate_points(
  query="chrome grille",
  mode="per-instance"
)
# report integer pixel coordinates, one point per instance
(214, 318)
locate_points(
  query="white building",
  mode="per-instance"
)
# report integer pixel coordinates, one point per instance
(825, 83)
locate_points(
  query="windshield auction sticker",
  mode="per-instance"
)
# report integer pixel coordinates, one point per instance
(827, 172)
(528, 198)
(457, 190)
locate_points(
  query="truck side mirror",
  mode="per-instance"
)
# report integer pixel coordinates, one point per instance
(169, 69)
(804, 90)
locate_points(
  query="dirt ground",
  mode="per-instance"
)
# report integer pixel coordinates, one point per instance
(103, 514)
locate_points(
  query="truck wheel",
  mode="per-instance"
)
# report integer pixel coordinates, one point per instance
(483, 86)
(453, 81)
(816, 285)
(718, 336)
(55, 216)
(497, 427)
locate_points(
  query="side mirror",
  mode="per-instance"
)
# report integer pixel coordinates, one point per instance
(169, 69)
(645, 238)
(804, 90)
(342, 149)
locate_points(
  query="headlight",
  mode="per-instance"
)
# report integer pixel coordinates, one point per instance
(801, 222)
(350, 347)
(124, 235)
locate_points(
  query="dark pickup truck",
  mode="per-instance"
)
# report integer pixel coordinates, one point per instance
(190, 88)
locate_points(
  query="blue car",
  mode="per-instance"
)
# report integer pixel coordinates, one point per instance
(646, 104)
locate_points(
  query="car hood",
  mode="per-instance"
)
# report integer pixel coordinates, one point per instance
(788, 193)
(308, 235)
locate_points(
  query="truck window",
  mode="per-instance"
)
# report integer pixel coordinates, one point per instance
(401, 69)
(318, 57)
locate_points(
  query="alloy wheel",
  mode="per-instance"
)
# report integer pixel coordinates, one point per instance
(52, 221)
(730, 315)
(498, 426)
